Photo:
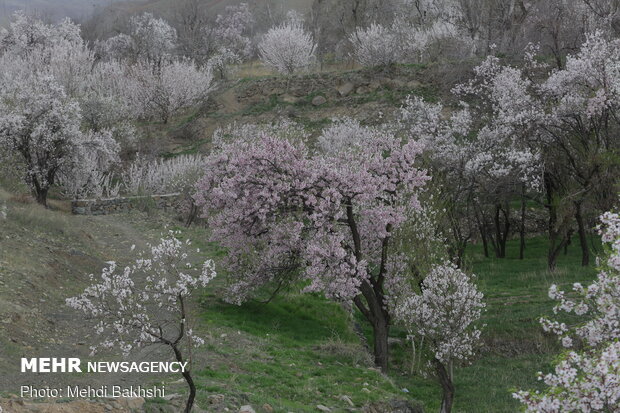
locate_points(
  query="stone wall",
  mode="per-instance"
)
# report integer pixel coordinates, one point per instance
(124, 204)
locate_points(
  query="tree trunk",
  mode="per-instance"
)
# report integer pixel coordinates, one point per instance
(583, 239)
(557, 238)
(380, 331)
(446, 385)
(485, 242)
(522, 226)
(41, 194)
(501, 234)
(498, 233)
(483, 234)
(188, 378)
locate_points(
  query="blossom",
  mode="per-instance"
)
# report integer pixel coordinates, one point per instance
(586, 380)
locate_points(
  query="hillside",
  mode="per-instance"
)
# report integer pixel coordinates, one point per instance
(255, 95)
(299, 351)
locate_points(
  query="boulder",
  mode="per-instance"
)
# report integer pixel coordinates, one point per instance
(345, 89)
(318, 100)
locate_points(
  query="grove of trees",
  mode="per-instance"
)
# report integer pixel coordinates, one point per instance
(377, 217)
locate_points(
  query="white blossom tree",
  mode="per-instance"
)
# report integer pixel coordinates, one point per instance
(148, 302)
(444, 314)
(375, 45)
(161, 90)
(89, 171)
(587, 377)
(227, 40)
(287, 48)
(41, 123)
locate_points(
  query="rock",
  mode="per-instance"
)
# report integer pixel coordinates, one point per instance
(414, 84)
(365, 390)
(374, 85)
(267, 408)
(289, 99)
(323, 408)
(318, 101)
(135, 403)
(347, 399)
(215, 399)
(362, 90)
(345, 89)
(246, 409)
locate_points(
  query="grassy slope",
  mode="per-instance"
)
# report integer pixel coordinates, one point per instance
(299, 350)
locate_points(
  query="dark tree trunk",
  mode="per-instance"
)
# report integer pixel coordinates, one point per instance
(485, 242)
(501, 231)
(557, 237)
(379, 321)
(446, 386)
(188, 378)
(41, 194)
(583, 239)
(522, 225)
(483, 234)
(506, 212)
(381, 353)
(374, 308)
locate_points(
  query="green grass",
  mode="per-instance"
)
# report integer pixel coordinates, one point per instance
(299, 350)
(515, 347)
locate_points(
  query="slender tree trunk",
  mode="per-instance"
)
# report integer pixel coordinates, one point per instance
(506, 230)
(188, 378)
(485, 242)
(583, 239)
(498, 234)
(483, 233)
(522, 226)
(446, 385)
(501, 234)
(557, 239)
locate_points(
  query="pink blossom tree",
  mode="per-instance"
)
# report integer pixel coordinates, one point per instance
(147, 302)
(327, 216)
(287, 48)
(587, 377)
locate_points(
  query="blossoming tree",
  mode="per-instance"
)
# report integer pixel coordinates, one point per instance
(161, 90)
(328, 215)
(287, 48)
(147, 302)
(444, 314)
(40, 123)
(149, 38)
(587, 377)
